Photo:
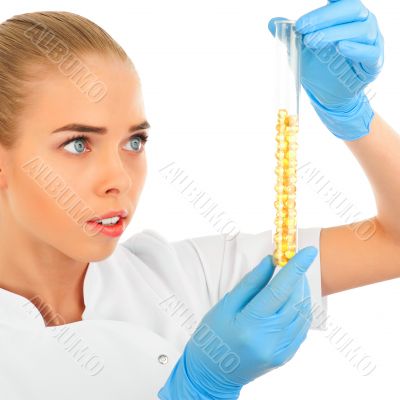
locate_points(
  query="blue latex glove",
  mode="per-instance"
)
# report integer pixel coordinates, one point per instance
(342, 52)
(256, 327)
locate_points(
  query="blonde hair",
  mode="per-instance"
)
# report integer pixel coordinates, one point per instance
(32, 43)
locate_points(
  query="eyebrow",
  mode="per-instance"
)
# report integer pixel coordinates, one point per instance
(98, 129)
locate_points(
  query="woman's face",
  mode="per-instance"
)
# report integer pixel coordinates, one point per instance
(43, 177)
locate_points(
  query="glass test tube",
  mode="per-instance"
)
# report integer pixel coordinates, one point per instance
(287, 59)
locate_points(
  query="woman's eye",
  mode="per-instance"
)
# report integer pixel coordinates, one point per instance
(77, 144)
(137, 142)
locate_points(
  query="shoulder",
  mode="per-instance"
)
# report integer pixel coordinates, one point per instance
(147, 237)
(170, 260)
(150, 246)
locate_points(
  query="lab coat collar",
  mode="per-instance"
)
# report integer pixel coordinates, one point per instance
(15, 308)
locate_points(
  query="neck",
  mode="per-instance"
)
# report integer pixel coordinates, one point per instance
(37, 271)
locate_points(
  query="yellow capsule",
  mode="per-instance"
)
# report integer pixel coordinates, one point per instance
(282, 146)
(289, 254)
(279, 188)
(291, 120)
(275, 261)
(291, 220)
(292, 130)
(292, 145)
(283, 261)
(291, 246)
(291, 236)
(278, 252)
(281, 214)
(282, 197)
(280, 181)
(279, 171)
(290, 204)
(280, 155)
(278, 237)
(291, 239)
(291, 226)
(290, 189)
(285, 162)
(279, 205)
(279, 231)
(280, 129)
(290, 154)
(282, 113)
(284, 246)
(291, 215)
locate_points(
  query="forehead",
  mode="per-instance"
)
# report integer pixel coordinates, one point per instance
(56, 97)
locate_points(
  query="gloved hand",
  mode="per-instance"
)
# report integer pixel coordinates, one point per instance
(342, 52)
(256, 327)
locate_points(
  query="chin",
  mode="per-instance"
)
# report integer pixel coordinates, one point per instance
(91, 252)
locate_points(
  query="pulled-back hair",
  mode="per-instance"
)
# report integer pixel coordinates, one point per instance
(31, 43)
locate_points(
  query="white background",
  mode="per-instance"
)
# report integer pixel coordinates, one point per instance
(207, 74)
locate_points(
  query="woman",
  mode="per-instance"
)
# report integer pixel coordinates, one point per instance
(85, 317)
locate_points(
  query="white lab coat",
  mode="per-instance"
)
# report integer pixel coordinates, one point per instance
(142, 303)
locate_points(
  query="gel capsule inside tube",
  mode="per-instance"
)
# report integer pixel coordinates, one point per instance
(287, 59)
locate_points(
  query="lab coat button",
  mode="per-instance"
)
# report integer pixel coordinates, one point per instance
(162, 359)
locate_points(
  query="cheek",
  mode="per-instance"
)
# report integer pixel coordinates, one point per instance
(141, 173)
(40, 200)
(30, 200)
(138, 182)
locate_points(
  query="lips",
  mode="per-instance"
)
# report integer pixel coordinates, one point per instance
(120, 213)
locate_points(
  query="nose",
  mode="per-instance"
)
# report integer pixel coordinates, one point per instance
(114, 176)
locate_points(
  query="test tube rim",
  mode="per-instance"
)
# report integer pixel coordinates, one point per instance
(285, 21)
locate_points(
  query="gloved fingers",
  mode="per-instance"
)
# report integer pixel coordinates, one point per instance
(250, 284)
(273, 296)
(301, 323)
(282, 318)
(362, 32)
(371, 57)
(301, 329)
(299, 301)
(335, 13)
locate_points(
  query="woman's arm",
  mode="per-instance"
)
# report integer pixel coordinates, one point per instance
(373, 257)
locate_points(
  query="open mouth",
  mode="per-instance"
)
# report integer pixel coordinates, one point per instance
(111, 224)
(112, 227)
(109, 221)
